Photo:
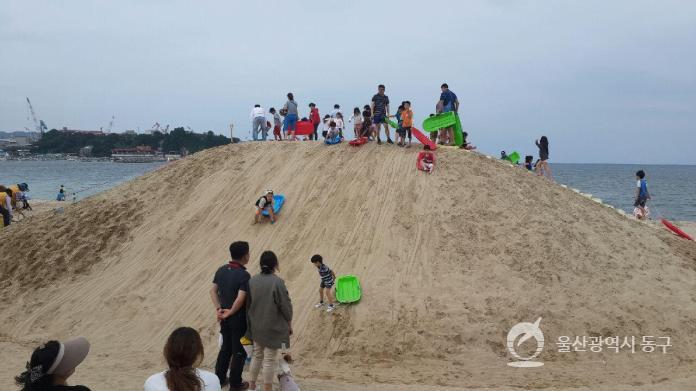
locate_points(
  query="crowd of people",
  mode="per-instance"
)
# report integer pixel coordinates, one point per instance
(257, 308)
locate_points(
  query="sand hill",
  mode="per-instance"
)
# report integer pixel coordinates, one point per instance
(448, 262)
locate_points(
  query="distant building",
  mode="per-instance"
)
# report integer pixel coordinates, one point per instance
(139, 154)
(86, 151)
(92, 132)
(130, 131)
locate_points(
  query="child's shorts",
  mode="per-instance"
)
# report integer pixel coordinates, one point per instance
(402, 131)
(640, 202)
(276, 130)
(327, 285)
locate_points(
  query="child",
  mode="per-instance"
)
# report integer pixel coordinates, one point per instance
(276, 124)
(333, 131)
(325, 126)
(367, 130)
(465, 144)
(406, 124)
(528, 162)
(316, 120)
(265, 202)
(543, 165)
(397, 116)
(427, 160)
(61, 194)
(339, 123)
(433, 135)
(503, 155)
(642, 195)
(357, 121)
(328, 278)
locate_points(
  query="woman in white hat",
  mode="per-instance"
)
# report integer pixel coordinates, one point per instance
(52, 364)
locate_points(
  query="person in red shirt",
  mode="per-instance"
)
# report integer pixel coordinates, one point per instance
(315, 118)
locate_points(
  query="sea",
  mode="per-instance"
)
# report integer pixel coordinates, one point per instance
(672, 187)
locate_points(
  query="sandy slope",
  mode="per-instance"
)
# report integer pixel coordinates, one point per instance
(449, 262)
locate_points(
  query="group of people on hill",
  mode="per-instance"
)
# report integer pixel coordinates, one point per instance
(367, 122)
(13, 199)
(541, 166)
(256, 308)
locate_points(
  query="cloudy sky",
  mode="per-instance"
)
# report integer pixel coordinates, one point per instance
(606, 81)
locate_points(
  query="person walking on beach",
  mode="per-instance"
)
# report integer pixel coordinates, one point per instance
(52, 364)
(542, 167)
(291, 116)
(315, 119)
(380, 111)
(642, 195)
(270, 320)
(183, 353)
(328, 279)
(258, 121)
(229, 293)
(448, 102)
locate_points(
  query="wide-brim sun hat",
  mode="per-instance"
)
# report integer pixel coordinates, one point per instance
(70, 355)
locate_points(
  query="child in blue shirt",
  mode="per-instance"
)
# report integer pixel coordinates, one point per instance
(642, 194)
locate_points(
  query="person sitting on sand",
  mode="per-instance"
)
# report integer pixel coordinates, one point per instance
(265, 202)
(328, 279)
(465, 144)
(528, 162)
(333, 132)
(270, 320)
(183, 352)
(6, 205)
(427, 159)
(325, 126)
(51, 365)
(642, 195)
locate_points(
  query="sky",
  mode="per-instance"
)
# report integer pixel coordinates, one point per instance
(605, 81)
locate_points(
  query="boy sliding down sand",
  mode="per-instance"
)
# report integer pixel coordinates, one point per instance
(265, 202)
(328, 278)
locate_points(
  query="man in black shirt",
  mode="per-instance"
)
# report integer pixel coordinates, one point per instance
(229, 292)
(380, 111)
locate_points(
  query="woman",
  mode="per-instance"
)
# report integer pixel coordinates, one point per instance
(183, 353)
(543, 165)
(51, 365)
(269, 313)
(291, 117)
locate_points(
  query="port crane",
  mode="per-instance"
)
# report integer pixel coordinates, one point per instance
(39, 125)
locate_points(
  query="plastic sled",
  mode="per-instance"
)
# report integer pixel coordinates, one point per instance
(391, 123)
(445, 120)
(425, 140)
(676, 229)
(278, 201)
(348, 289)
(514, 157)
(358, 141)
(304, 128)
(333, 141)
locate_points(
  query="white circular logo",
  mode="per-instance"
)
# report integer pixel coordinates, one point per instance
(525, 331)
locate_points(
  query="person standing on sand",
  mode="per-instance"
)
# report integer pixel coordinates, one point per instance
(258, 123)
(229, 293)
(270, 320)
(6, 205)
(380, 111)
(291, 116)
(449, 102)
(543, 165)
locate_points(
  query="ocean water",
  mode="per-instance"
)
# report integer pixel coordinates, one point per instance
(82, 178)
(673, 188)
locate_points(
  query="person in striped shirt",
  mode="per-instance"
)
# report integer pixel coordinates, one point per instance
(328, 279)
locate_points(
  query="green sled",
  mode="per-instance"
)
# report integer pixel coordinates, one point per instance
(445, 120)
(391, 123)
(348, 289)
(514, 157)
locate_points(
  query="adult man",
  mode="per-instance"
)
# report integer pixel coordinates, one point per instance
(229, 293)
(449, 102)
(258, 122)
(380, 111)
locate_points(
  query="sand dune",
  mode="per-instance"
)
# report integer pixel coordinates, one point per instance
(448, 262)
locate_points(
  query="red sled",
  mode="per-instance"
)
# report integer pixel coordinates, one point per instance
(304, 128)
(358, 141)
(676, 229)
(425, 140)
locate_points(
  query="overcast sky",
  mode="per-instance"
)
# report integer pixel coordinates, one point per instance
(606, 81)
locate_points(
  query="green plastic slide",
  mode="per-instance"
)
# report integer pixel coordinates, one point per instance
(391, 123)
(445, 120)
(514, 157)
(348, 289)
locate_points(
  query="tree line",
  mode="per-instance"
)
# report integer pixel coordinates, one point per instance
(177, 140)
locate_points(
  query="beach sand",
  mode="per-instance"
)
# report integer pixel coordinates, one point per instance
(449, 262)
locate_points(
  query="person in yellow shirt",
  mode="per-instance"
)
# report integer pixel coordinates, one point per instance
(5, 205)
(406, 124)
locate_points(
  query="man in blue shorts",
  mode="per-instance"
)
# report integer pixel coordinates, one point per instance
(380, 111)
(448, 102)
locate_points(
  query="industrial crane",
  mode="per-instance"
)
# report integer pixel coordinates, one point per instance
(39, 125)
(111, 124)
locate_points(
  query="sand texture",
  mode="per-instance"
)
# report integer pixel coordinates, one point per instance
(449, 262)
